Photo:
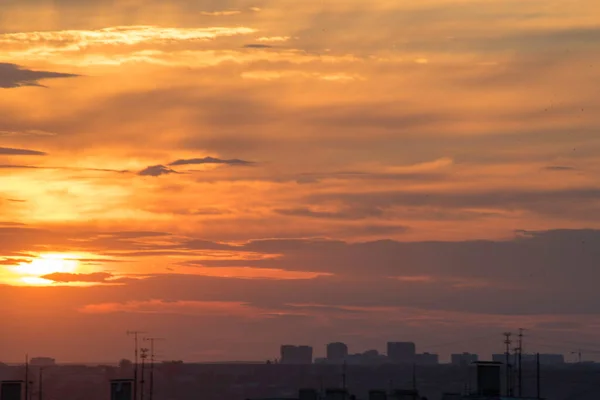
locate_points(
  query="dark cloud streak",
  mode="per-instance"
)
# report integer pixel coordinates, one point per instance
(210, 160)
(157, 170)
(14, 76)
(20, 152)
(63, 277)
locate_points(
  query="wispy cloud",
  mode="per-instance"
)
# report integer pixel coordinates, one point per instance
(559, 168)
(74, 40)
(14, 76)
(63, 277)
(210, 160)
(273, 39)
(6, 151)
(226, 13)
(45, 167)
(221, 308)
(13, 261)
(257, 46)
(157, 170)
(29, 132)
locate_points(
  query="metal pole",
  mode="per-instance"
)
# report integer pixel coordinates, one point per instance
(26, 376)
(135, 366)
(40, 385)
(135, 370)
(151, 369)
(520, 361)
(143, 368)
(152, 359)
(538, 377)
(508, 342)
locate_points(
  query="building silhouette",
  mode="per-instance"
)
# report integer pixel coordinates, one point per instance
(42, 362)
(11, 390)
(291, 354)
(401, 352)
(545, 359)
(426, 359)
(337, 352)
(463, 359)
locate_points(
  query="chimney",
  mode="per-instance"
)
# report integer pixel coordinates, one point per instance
(336, 394)
(11, 390)
(488, 378)
(377, 395)
(121, 389)
(308, 394)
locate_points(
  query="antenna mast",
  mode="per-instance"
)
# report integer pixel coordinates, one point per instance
(152, 359)
(40, 384)
(143, 356)
(26, 376)
(520, 361)
(135, 365)
(538, 377)
(508, 342)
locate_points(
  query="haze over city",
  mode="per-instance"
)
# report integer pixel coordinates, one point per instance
(236, 175)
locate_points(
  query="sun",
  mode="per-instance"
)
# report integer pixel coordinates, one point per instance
(32, 273)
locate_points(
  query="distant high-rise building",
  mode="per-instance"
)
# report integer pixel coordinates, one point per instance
(463, 359)
(426, 359)
(337, 352)
(545, 359)
(305, 354)
(296, 354)
(42, 362)
(369, 357)
(401, 352)
(500, 358)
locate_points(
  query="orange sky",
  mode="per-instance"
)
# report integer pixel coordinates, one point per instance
(177, 166)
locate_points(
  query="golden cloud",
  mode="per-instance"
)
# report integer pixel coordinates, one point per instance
(119, 35)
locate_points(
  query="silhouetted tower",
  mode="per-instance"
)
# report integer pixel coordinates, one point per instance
(507, 343)
(152, 359)
(41, 384)
(27, 382)
(520, 361)
(135, 366)
(538, 376)
(143, 356)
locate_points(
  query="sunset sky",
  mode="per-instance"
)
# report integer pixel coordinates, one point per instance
(233, 175)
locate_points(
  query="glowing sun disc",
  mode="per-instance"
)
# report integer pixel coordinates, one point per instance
(47, 264)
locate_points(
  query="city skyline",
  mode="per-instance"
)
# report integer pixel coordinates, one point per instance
(339, 352)
(237, 174)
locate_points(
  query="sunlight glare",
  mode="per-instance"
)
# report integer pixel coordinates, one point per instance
(32, 273)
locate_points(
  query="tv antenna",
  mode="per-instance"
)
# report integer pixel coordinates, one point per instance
(135, 335)
(507, 343)
(152, 359)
